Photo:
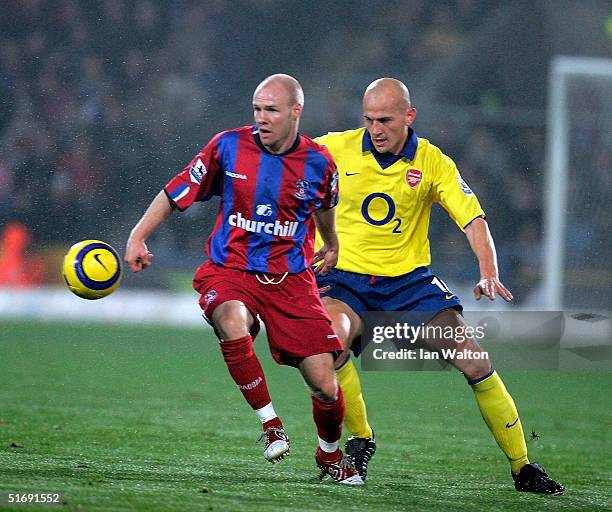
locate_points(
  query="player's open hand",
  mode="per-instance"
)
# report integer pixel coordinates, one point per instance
(137, 255)
(325, 259)
(489, 286)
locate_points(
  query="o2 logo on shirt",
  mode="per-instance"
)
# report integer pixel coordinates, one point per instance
(365, 211)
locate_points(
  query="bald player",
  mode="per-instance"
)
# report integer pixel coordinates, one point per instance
(389, 179)
(275, 186)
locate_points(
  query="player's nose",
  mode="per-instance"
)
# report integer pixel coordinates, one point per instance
(262, 117)
(259, 118)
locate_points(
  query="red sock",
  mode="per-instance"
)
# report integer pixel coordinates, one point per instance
(245, 369)
(329, 457)
(329, 417)
(273, 423)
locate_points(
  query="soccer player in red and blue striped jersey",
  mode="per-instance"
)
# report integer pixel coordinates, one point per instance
(276, 186)
(265, 221)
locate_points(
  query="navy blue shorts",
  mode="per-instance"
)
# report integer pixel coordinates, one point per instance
(420, 290)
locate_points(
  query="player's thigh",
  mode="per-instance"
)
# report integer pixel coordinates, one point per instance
(450, 332)
(232, 320)
(345, 322)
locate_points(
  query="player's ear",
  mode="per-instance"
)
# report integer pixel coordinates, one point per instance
(297, 110)
(410, 115)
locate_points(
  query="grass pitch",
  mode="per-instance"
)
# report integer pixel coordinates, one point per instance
(136, 418)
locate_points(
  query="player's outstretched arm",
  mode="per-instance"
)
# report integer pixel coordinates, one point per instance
(481, 241)
(325, 220)
(137, 254)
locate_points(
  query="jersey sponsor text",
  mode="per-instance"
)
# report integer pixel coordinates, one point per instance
(276, 228)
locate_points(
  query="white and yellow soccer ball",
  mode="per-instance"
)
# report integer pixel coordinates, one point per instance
(92, 269)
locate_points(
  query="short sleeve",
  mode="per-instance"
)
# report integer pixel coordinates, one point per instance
(198, 181)
(330, 140)
(329, 183)
(454, 194)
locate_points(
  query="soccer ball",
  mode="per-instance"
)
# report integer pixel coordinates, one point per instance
(92, 269)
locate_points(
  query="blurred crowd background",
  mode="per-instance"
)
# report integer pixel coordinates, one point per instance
(101, 102)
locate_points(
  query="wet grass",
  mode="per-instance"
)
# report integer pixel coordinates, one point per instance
(136, 418)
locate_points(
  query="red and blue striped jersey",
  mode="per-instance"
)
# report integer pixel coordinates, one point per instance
(265, 219)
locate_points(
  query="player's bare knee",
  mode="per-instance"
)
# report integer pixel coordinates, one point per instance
(231, 329)
(326, 392)
(476, 369)
(475, 365)
(323, 386)
(231, 320)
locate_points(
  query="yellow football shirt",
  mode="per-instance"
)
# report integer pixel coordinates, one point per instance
(383, 215)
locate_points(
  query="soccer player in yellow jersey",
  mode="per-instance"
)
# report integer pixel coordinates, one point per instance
(389, 179)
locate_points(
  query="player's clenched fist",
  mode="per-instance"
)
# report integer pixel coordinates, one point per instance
(137, 255)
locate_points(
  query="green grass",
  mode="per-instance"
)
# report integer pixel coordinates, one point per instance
(135, 418)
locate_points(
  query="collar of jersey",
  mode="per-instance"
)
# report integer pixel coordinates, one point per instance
(295, 145)
(408, 151)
